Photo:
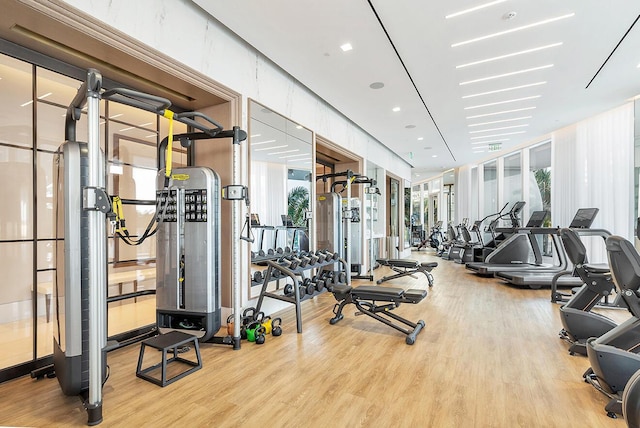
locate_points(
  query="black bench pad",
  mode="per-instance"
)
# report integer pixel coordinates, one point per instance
(368, 292)
(415, 295)
(406, 263)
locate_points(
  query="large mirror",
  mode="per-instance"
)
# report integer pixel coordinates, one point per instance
(281, 156)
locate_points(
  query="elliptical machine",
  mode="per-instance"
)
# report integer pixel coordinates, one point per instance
(614, 355)
(578, 322)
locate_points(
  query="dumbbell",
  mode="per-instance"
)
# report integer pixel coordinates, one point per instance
(319, 284)
(287, 249)
(270, 252)
(279, 250)
(288, 290)
(313, 259)
(257, 276)
(304, 261)
(253, 255)
(336, 256)
(308, 286)
(321, 257)
(342, 277)
(261, 253)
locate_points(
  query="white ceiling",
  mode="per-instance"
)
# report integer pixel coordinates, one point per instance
(304, 38)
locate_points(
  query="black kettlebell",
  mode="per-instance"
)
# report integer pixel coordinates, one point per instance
(260, 337)
(276, 326)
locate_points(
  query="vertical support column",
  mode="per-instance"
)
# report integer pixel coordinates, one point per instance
(235, 241)
(97, 244)
(347, 215)
(372, 259)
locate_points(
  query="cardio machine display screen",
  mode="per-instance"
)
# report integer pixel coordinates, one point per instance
(584, 218)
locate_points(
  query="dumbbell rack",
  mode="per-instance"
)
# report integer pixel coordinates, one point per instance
(294, 274)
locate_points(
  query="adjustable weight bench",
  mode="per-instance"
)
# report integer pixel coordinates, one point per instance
(365, 298)
(405, 267)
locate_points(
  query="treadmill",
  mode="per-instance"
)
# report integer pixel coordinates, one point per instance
(519, 251)
(534, 278)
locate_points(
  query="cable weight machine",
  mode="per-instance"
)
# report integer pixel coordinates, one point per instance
(342, 236)
(82, 208)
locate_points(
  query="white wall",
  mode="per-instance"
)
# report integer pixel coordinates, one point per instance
(180, 29)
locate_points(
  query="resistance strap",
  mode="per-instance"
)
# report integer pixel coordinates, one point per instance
(167, 168)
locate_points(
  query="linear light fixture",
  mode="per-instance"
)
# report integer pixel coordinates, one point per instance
(283, 152)
(512, 73)
(481, 147)
(146, 124)
(498, 135)
(42, 97)
(496, 58)
(512, 88)
(503, 102)
(116, 115)
(495, 113)
(262, 142)
(499, 140)
(271, 148)
(256, 135)
(499, 129)
(513, 30)
(295, 156)
(499, 121)
(346, 47)
(126, 129)
(396, 109)
(473, 9)
(27, 103)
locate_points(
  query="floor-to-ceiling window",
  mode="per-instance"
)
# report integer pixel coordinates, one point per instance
(512, 173)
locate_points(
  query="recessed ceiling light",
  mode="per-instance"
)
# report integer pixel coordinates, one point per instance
(346, 47)
(498, 135)
(304, 156)
(480, 147)
(499, 121)
(262, 142)
(410, 126)
(513, 30)
(513, 88)
(298, 126)
(473, 9)
(503, 102)
(396, 109)
(434, 156)
(495, 58)
(512, 73)
(499, 129)
(420, 138)
(271, 148)
(500, 112)
(376, 85)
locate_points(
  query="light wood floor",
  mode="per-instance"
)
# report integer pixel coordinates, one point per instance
(488, 357)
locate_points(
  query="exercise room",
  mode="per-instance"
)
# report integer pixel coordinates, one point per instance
(342, 214)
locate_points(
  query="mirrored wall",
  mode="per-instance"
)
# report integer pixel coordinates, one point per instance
(281, 162)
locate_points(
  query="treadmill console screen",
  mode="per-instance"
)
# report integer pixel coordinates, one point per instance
(584, 218)
(537, 218)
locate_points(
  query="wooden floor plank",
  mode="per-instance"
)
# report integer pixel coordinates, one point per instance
(489, 356)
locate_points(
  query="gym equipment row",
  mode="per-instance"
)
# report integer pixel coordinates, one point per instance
(293, 268)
